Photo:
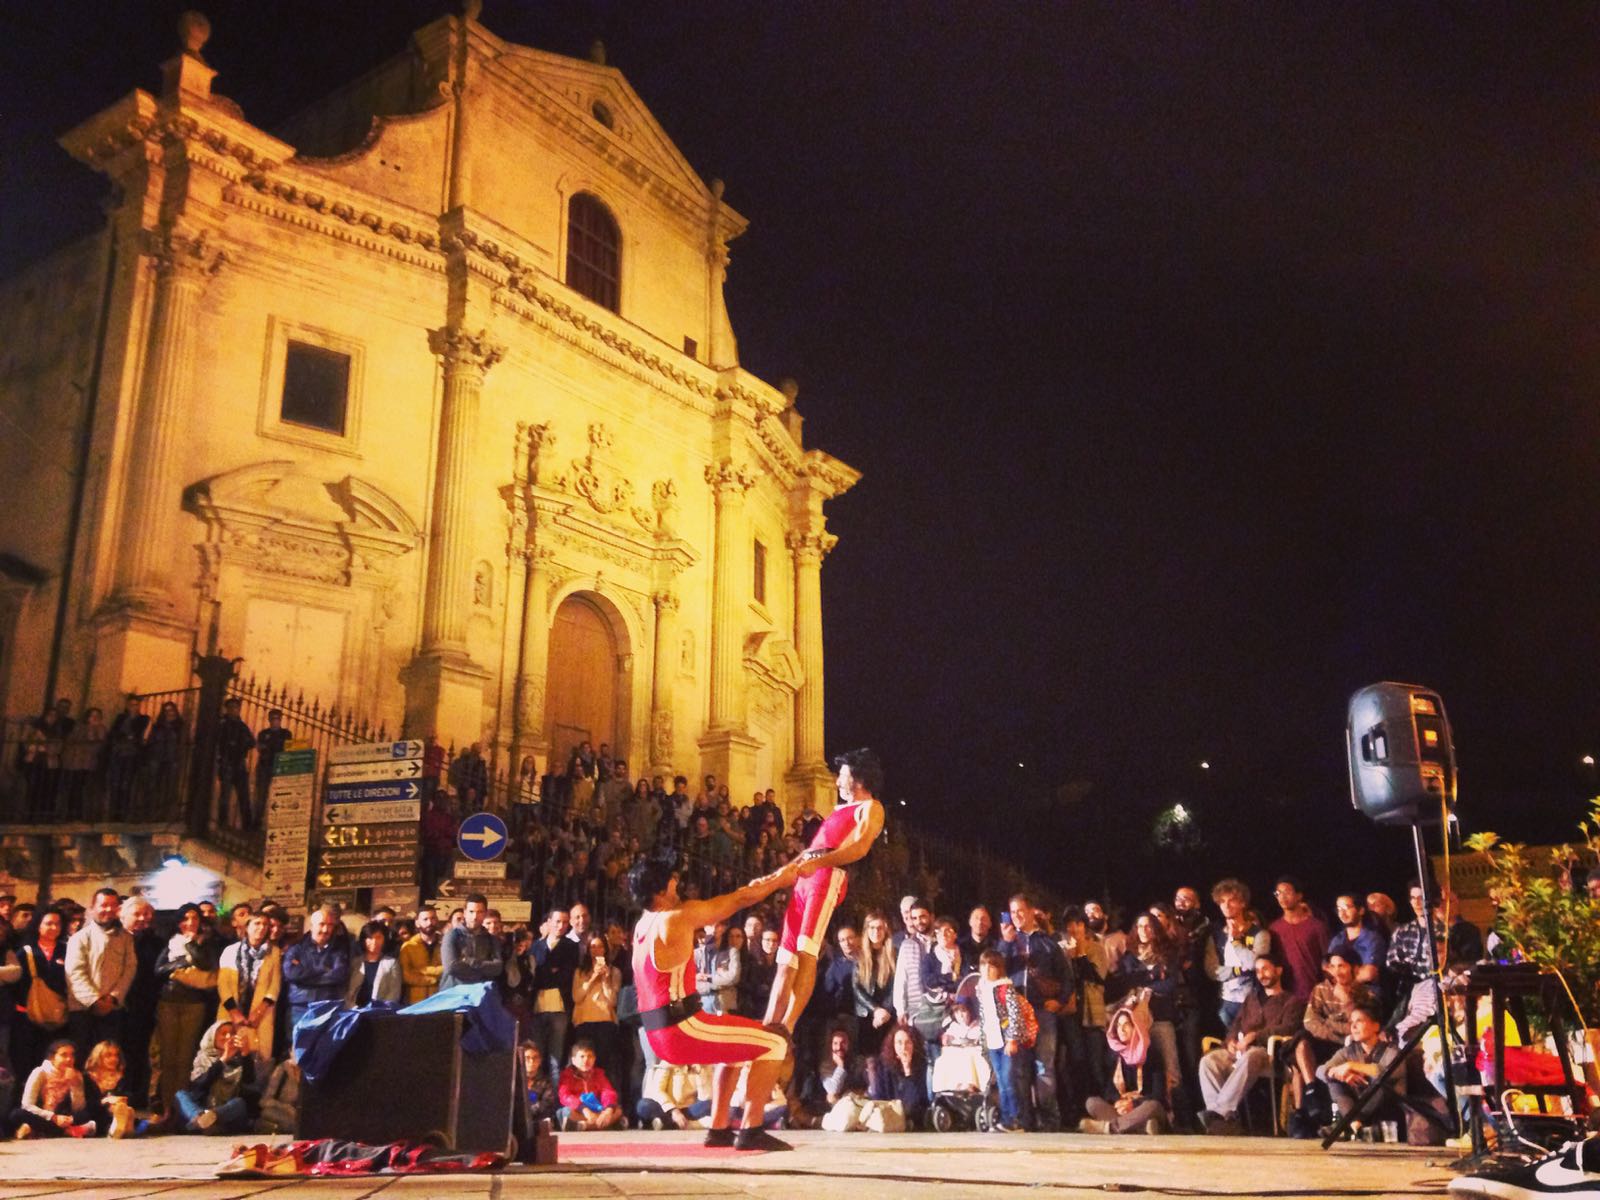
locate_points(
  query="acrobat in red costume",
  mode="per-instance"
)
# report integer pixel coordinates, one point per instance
(845, 837)
(679, 1033)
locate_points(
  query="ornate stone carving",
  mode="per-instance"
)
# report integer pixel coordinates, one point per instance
(530, 704)
(665, 602)
(181, 254)
(462, 349)
(608, 491)
(661, 736)
(664, 499)
(811, 547)
(730, 479)
(295, 557)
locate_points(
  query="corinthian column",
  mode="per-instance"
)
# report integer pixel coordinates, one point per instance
(534, 662)
(661, 733)
(730, 578)
(153, 498)
(809, 549)
(467, 358)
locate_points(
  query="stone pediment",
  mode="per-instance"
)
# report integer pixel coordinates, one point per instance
(597, 102)
(774, 659)
(280, 520)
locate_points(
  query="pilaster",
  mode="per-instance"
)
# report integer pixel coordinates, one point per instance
(729, 483)
(662, 734)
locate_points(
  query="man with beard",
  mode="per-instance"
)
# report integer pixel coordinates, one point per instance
(419, 957)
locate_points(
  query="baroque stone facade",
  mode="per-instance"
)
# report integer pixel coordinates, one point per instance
(432, 407)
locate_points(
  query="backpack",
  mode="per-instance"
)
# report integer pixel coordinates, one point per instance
(1029, 1033)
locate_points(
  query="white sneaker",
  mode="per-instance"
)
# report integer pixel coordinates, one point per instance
(1574, 1170)
(204, 1120)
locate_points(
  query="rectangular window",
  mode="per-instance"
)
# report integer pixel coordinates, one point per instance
(316, 387)
(759, 583)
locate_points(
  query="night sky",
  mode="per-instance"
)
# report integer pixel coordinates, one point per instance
(1204, 363)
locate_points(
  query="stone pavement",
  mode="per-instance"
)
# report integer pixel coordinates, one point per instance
(822, 1167)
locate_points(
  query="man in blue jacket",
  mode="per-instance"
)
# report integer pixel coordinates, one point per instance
(1036, 965)
(317, 967)
(470, 953)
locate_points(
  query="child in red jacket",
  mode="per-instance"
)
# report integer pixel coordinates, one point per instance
(587, 1098)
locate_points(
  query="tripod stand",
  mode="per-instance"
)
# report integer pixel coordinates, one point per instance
(1441, 1018)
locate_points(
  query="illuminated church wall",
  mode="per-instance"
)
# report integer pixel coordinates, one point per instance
(354, 424)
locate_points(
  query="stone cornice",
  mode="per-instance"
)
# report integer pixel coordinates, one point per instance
(828, 475)
(343, 216)
(211, 134)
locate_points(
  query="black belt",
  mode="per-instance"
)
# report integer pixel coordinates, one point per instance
(669, 1015)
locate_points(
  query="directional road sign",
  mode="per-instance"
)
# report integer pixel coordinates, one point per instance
(374, 752)
(454, 889)
(396, 875)
(376, 772)
(372, 812)
(354, 856)
(393, 834)
(344, 793)
(482, 836)
(481, 870)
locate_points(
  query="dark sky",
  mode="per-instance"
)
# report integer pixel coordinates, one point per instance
(1205, 363)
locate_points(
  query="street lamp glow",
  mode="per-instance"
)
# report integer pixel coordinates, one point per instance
(1204, 765)
(1180, 814)
(1588, 760)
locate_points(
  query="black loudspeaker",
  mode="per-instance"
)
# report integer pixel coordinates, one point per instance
(1402, 760)
(407, 1077)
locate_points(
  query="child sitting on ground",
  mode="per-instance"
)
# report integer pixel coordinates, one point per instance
(53, 1100)
(588, 1101)
(540, 1086)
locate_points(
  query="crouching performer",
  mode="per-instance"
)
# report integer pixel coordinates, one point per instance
(679, 1033)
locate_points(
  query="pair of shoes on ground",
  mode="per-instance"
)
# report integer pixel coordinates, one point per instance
(1219, 1125)
(1574, 1170)
(1155, 1126)
(744, 1139)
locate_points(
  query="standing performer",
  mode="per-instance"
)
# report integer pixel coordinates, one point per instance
(844, 838)
(679, 1033)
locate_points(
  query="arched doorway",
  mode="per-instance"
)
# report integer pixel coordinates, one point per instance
(581, 700)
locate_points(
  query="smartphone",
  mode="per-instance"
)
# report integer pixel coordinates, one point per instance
(1005, 916)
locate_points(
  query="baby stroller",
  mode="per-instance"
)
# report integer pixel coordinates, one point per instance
(964, 1095)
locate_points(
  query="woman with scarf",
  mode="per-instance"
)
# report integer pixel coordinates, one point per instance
(1135, 1098)
(222, 1087)
(187, 970)
(249, 978)
(1152, 963)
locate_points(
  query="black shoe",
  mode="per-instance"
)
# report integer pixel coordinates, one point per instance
(718, 1139)
(1573, 1170)
(758, 1139)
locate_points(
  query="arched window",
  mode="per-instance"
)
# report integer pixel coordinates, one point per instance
(594, 251)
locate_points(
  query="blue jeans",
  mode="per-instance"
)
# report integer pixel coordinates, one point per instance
(1013, 1074)
(1044, 1061)
(232, 1115)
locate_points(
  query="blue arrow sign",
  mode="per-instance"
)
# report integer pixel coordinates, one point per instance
(482, 837)
(398, 790)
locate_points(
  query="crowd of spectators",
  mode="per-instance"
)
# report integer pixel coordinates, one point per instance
(110, 1026)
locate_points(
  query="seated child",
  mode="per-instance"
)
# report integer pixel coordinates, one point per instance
(588, 1101)
(963, 1067)
(53, 1099)
(541, 1086)
(108, 1100)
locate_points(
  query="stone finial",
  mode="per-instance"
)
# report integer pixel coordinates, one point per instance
(472, 9)
(789, 388)
(194, 31)
(717, 188)
(597, 52)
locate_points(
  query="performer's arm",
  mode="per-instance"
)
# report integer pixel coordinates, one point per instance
(720, 908)
(855, 844)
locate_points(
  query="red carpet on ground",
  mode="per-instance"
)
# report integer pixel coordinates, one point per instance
(568, 1151)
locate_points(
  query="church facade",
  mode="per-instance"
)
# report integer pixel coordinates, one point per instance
(431, 408)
